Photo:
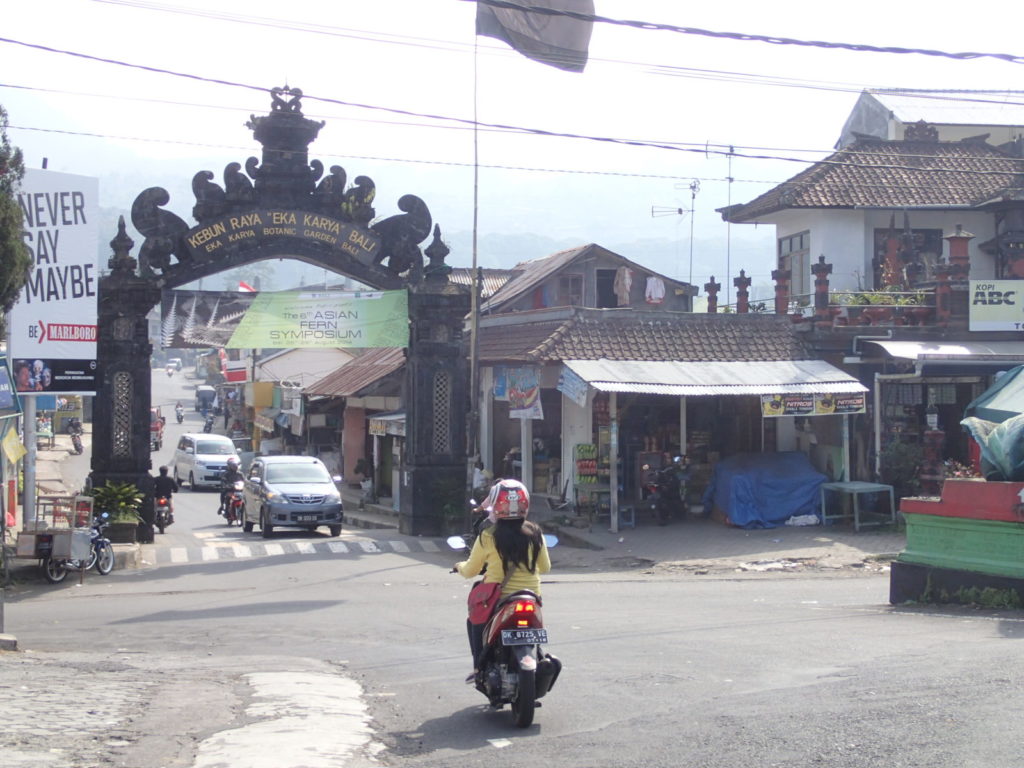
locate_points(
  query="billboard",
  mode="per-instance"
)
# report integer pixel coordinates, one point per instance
(808, 404)
(53, 326)
(996, 305)
(284, 320)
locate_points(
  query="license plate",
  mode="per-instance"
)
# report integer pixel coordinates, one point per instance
(305, 518)
(524, 636)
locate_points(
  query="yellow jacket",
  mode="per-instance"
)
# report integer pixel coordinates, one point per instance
(486, 553)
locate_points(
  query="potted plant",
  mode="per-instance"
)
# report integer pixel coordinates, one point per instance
(122, 502)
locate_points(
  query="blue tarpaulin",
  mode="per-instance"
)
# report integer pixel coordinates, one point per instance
(763, 490)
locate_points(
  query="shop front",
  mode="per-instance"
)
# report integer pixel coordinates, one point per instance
(633, 416)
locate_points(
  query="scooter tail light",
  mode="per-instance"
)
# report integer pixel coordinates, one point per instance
(525, 606)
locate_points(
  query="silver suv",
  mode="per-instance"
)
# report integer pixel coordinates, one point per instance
(292, 492)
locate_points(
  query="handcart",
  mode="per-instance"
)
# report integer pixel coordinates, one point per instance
(60, 533)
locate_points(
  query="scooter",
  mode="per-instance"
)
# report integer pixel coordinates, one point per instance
(164, 512)
(234, 503)
(208, 424)
(170, 372)
(514, 669)
(179, 412)
(101, 555)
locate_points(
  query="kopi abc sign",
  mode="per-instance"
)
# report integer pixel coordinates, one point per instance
(996, 305)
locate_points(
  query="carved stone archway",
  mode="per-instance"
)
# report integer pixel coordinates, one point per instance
(283, 206)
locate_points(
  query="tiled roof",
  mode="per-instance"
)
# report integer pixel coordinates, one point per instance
(531, 273)
(359, 373)
(624, 334)
(493, 279)
(892, 174)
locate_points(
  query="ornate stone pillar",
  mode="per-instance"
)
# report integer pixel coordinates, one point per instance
(943, 294)
(742, 284)
(712, 288)
(821, 271)
(959, 258)
(120, 449)
(433, 484)
(781, 278)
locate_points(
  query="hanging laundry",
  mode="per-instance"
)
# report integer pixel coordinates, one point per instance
(655, 293)
(623, 282)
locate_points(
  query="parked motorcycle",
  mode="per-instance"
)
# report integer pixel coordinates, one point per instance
(179, 412)
(514, 669)
(75, 429)
(101, 555)
(208, 424)
(234, 503)
(164, 512)
(666, 490)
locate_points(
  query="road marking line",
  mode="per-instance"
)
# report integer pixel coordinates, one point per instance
(429, 546)
(399, 546)
(179, 555)
(204, 534)
(210, 553)
(499, 743)
(241, 551)
(305, 548)
(369, 546)
(337, 547)
(273, 549)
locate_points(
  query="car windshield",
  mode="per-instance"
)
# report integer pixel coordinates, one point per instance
(217, 449)
(297, 473)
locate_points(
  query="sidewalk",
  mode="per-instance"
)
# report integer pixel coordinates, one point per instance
(695, 544)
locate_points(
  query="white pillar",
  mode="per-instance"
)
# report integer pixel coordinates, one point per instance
(682, 425)
(613, 460)
(29, 461)
(526, 452)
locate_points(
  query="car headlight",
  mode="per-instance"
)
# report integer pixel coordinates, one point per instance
(332, 498)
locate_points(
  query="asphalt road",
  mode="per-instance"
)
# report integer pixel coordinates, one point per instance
(661, 669)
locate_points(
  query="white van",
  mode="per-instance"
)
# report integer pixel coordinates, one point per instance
(200, 458)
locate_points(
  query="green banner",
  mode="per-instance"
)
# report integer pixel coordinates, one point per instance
(302, 320)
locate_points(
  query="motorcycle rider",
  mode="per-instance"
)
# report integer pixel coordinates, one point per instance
(179, 411)
(512, 552)
(164, 485)
(231, 475)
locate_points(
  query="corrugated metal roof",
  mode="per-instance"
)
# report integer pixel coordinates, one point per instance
(953, 350)
(953, 107)
(493, 279)
(715, 378)
(358, 373)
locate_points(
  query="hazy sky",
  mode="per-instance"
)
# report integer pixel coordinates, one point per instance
(134, 129)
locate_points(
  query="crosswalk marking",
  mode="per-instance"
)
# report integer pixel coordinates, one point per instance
(234, 547)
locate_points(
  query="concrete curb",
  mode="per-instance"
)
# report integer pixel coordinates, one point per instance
(8, 643)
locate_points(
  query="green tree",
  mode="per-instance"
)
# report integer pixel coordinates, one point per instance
(15, 256)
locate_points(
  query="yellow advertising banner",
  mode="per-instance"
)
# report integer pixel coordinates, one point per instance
(12, 446)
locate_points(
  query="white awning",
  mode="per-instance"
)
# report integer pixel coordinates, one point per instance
(995, 351)
(721, 378)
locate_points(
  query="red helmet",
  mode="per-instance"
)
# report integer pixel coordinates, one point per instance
(508, 499)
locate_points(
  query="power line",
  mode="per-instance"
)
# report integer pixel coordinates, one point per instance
(746, 37)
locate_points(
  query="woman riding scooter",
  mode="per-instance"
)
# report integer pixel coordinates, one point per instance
(512, 552)
(179, 412)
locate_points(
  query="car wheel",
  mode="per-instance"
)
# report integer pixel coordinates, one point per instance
(191, 481)
(335, 530)
(265, 527)
(177, 480)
